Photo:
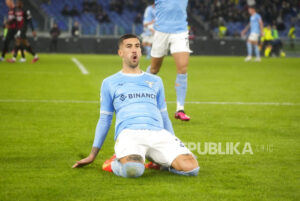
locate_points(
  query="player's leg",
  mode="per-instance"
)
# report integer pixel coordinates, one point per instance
(29, 49)
(180, 51)
(256, 50)
(159, 49)
(181, 61)
(16, 50)
(249, 51)
(169, 152)
(147, 46)
(130, 154)
(155, 65)
(23, 59)
(8, 39)
(149, 41)
(129, 166)
(253, 42)
(185, 164)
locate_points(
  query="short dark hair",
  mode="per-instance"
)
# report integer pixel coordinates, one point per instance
(253, 6)
(126, 36)
(21, 1)
(150, 2)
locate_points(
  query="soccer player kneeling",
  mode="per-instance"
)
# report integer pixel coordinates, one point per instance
(143, 128)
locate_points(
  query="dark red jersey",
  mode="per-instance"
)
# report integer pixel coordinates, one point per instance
(12, 23)
(23, 18)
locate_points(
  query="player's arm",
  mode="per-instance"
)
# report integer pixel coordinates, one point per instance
(102, 129)
(245, 30)
(28, 18)
(148, 19)
(148, 23)
(103, 125)
(162, 106)
(261, 26)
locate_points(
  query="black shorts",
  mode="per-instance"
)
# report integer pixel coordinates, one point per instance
(267, 42)
(23, 34)
(11, 34)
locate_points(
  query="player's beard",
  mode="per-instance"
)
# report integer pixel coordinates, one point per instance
(133, 64)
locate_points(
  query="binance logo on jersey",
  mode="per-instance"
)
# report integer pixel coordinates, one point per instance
(137, 95)
(141, 95)
(122, 97)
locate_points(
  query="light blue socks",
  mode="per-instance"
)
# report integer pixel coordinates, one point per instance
(148, 69)
(257, 53)
(148, 52)
(193, 172)
(181, 88)
(249, 49)
(130, 169)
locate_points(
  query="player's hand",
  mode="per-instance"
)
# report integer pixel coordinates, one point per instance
(34, 34)
(262, 34)
(242, 33)
(83, 162)
(18, 34)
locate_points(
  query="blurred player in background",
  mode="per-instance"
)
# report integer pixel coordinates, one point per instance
(12, 27)
(147, 35)
(143, 128)
(23, 19)
(256, 30)
(171, 32)
(277, 43)
(292, 36)
(267, 41)
(54, 33)
(5, 30)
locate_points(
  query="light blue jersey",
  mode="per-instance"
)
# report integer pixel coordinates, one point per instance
(137, 100)
(149, 16)
(254, 23)
(171, 16)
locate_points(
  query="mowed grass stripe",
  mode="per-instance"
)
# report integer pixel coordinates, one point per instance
(41, 141)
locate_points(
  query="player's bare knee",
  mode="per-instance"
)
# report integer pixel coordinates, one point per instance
(185, 163)
(188, 166)
(182, 69)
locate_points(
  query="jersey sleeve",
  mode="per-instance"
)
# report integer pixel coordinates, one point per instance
(106, 100)
(147, 15)
(28, 19)
(258, 17)
(161, 100)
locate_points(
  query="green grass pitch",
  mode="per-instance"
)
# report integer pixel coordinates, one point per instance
(41, 137)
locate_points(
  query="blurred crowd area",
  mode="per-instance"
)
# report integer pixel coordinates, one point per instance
(282, 13)
(203, 15)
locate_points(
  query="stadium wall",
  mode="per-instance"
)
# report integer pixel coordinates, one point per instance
(234, 47)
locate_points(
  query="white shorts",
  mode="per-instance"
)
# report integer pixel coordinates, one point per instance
(161, 146)
(147, 39)
(163, 41)
(253, 37)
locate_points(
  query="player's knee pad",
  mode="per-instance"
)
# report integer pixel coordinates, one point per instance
(133, 169)
(193, 172)
(130, 169)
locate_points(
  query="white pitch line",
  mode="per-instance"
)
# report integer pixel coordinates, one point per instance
(188, 102)
(44, 101)
(240, 103)
(80, 66)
